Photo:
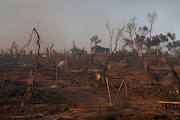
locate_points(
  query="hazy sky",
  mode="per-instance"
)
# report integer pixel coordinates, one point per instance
(64, 21)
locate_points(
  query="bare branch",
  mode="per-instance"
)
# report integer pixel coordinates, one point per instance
(24, 46)
(38, 42)
(117, 38)
(51, 47)
(152, 17)
(110, 34)
(12, 47)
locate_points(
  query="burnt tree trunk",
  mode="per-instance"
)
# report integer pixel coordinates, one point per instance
(31, 80)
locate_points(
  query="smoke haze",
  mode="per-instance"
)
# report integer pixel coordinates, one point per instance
(64, 21)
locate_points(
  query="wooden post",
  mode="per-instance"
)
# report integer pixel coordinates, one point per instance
(126, 90)
(118, 90)
(108, 92)
(113, 86)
